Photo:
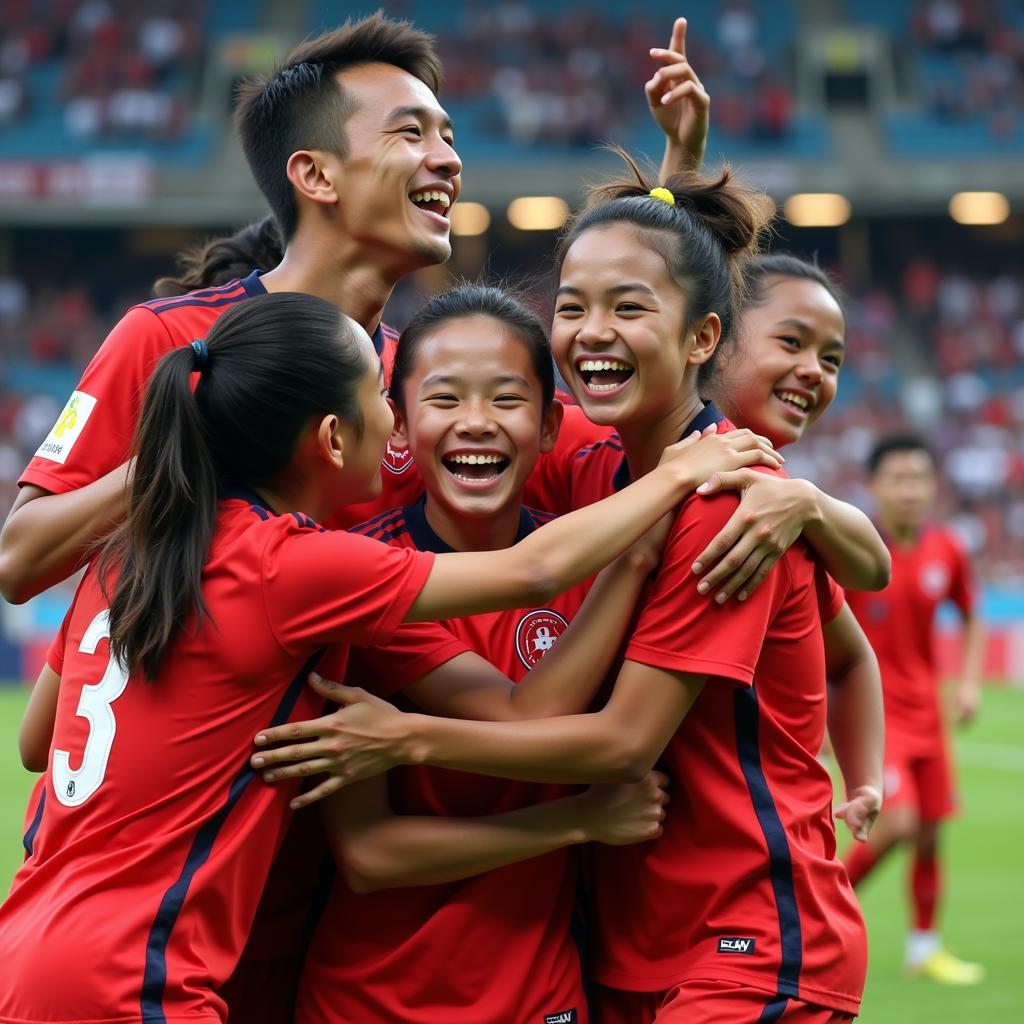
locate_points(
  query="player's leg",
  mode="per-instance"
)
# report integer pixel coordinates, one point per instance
(729, 1002)
(896, 824)
(926, 955)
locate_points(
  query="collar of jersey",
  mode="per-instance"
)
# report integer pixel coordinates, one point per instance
(708, 415)
(425, 539)
(238, 493)
(254, 286)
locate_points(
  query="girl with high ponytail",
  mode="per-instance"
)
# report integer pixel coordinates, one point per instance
(195, 630)
(739, 911)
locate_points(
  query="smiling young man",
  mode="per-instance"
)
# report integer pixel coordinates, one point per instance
(351, 148)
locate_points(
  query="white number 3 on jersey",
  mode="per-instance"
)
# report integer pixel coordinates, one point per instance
(73, 787)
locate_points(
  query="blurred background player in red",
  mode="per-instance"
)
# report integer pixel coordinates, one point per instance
(929, 568)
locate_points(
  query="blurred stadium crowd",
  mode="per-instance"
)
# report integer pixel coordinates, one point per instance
(130, 69)
(114, 68)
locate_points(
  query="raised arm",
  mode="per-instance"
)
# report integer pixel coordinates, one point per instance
(47, 536)
(572, 548)
(855, 721)
(679, 105)
(773, 513)
(377, 849)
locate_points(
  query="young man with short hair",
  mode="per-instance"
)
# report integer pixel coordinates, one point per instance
(929, 567)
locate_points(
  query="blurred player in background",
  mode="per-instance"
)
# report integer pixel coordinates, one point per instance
(929, 567)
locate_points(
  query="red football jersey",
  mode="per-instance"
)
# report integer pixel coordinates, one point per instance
(743, 885)
(93, 434)
(900, 623)
(155, 836)
(492, 949)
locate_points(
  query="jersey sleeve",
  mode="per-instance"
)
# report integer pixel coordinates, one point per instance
(415, 649)
(549, 486)
(94, 432)
(323, 586)
(682, 630)
(831, 596)
(962, 585)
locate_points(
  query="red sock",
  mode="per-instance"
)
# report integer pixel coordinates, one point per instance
(925, 885)
(859, 860)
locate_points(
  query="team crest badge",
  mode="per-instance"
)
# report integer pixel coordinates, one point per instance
(536, 634)
(397, 460)
(934, 579)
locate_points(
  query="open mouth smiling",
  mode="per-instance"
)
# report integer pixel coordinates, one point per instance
(475, 467)
(432, 201)
(798, 402)
(603, 375)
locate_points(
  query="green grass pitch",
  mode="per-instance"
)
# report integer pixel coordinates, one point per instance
(984, 911)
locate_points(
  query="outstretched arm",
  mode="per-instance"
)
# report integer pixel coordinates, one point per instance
(572, 548)
(773, 513)
(855, 721)
(619, 743)
(48, 536)
(377, 849)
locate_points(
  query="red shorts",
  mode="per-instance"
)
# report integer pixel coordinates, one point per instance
(706, 1002)
(924, 782)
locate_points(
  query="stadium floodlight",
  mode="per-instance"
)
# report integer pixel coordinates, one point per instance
(817, 210)
(470, 219)
(538, 213)
(979, 208)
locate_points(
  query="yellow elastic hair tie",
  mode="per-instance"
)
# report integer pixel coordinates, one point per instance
(664, 195)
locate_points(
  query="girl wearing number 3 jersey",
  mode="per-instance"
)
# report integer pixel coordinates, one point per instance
(196, 628)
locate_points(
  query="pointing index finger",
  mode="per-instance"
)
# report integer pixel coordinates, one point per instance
(678, 42)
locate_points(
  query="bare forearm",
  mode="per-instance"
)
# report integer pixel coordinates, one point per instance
(974, 651)
(848, 544)
(405, 851)
(567, 678)
(576, 546)
(36, 731)
(47, 538)
(857, 726)
(571, 749)
(677, 158)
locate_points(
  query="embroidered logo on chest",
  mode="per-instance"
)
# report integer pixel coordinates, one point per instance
(397, 460)
(536, 634)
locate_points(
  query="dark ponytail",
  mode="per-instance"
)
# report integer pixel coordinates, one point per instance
(272, 365)
(703, 237)
(255, 247)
